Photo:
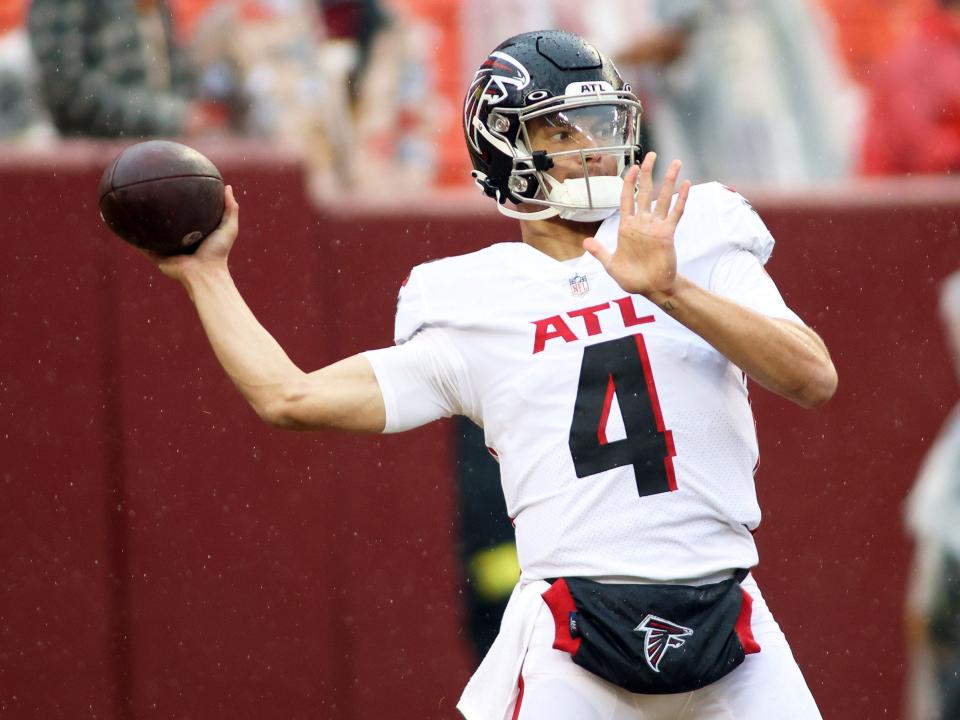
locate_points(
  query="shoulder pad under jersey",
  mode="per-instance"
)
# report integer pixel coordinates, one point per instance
(448, 291)
(718, 219)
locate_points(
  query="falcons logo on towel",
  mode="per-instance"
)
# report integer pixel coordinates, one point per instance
(659, 636)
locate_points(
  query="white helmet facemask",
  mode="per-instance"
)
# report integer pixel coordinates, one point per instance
(589, 140)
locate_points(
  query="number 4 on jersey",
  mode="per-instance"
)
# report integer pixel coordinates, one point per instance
(621, 369)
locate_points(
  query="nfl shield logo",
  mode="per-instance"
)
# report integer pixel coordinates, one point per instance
(579, 285)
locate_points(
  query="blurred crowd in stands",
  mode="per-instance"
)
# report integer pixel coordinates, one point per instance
(775, 91)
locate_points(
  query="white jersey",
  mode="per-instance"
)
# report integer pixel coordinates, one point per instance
(626, 442)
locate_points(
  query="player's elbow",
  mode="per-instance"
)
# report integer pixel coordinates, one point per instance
(285, 408)
(279, 416)
(274, 413)
(820, 386)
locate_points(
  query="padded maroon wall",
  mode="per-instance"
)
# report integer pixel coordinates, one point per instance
(166, 555)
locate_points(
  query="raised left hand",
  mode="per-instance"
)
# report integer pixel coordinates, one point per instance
(645, 260)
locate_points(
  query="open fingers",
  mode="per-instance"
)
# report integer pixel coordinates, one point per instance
(666, 190)
(644, 190)
(627, 207)
(677, 212)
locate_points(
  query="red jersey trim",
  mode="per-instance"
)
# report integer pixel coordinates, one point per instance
(516, 708)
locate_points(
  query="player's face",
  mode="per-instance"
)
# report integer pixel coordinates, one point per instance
(576, 134)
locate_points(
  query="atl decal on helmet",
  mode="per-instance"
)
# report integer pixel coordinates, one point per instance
(585, 88)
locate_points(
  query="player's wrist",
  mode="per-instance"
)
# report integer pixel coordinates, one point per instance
(200, 275)
(671, 298)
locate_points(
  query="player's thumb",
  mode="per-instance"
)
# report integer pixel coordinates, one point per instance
(230, 222)
(596, 248)
(231, 208)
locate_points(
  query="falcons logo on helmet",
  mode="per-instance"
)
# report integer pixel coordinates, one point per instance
(659, 636)
(489, 87)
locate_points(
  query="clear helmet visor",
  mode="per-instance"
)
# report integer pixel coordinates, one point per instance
(597, 132)
(588, 147)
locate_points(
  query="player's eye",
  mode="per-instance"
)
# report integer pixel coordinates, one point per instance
(562, 134)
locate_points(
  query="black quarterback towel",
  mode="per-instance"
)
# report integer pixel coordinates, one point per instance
(653, 639)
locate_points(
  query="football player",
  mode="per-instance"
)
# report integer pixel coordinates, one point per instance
(606, 357)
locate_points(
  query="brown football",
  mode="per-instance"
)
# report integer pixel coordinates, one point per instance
(161, 196)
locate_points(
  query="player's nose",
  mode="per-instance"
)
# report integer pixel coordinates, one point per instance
(590, 153)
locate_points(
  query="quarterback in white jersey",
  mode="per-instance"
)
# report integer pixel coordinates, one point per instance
(606, 357)
(626, 442)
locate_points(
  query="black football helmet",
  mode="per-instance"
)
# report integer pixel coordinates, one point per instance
(551, 84)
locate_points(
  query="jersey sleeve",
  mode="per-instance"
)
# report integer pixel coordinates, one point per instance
(740, 276)
(421, 380)
(423, 377)
(746, 245)
(741, 225)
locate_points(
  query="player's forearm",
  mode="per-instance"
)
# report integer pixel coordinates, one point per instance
(252, 358)
(341, 396)
(783, 357)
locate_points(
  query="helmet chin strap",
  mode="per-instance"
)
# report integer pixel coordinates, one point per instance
(544, 214)
(604, 191)
(492, 191)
